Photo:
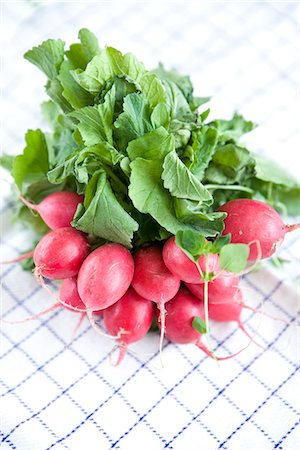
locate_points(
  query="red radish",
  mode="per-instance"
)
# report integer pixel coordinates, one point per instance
(224, 286)
(69, 297)
(60, 253)
(228, 311)
(183, 267)
(129, 318)
(105, 276)
(181, 311)
(153, 280)
(252, 221)
(57, 209)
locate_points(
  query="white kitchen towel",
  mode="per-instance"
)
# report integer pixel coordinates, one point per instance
(58, 393)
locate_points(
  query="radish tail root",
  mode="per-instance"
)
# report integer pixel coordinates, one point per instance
(242, 327)
(122, 353)
(36, 316)
(39, 278)
(96, 327)
(293, 227)
(19, 258)
(270, 316)
(79, 323)
(162, 319)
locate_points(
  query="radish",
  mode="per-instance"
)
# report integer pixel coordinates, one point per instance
(69, 296)
(224, 286)
(181, 311)
(183, 267)
(129, 318)
(229, 310)
(105, 276)
(252, 221)
(60, 254)
(153, 280)
(57, 209)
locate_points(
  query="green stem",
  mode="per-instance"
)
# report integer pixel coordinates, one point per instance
(117, 180)
(229, 187)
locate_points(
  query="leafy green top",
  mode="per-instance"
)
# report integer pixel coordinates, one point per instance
(135, 143)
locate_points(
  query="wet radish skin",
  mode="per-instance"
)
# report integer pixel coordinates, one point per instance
(60, 253)
(251, 220)
(68, 293)
(131, 317)
(222, 288)
(105, 276)
(183, 267)
(152, 279)
(181, 311)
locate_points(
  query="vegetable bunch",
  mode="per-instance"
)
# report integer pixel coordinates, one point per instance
(130, 160)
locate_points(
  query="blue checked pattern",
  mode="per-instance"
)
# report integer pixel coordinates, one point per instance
(58, 393)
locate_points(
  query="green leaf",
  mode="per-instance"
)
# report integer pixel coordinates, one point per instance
(160, 116)
(270, 171)
(32, 166)
(199, 325)
(134, 121)
(48, 56)
(149, 196)
(229, 164)
(89, 43)
(192, 243)
(201, 150)
(180, 181)
(55, 91)
(63, 170)
(95, 122)
(233, 257)
(195, 217)
(291, 200)
(108, 64)
(183, 82)
(76, 96)
(154, 145)
(177, 104)
(6, 161)
(233, 129)
(219, 242)
(199, 101)
(102, 215)
(106, 153)
(152, 88)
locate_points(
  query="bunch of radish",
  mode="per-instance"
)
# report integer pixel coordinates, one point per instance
(156, 282)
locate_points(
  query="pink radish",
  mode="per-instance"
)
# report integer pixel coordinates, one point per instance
(181, 311)
(153, 280)
(229, 310)
(224, 286)
(60, 253)
(105, 276)
(183, 267)
(57, 209)
(69, 297)
(252, 221)
(129, 318)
